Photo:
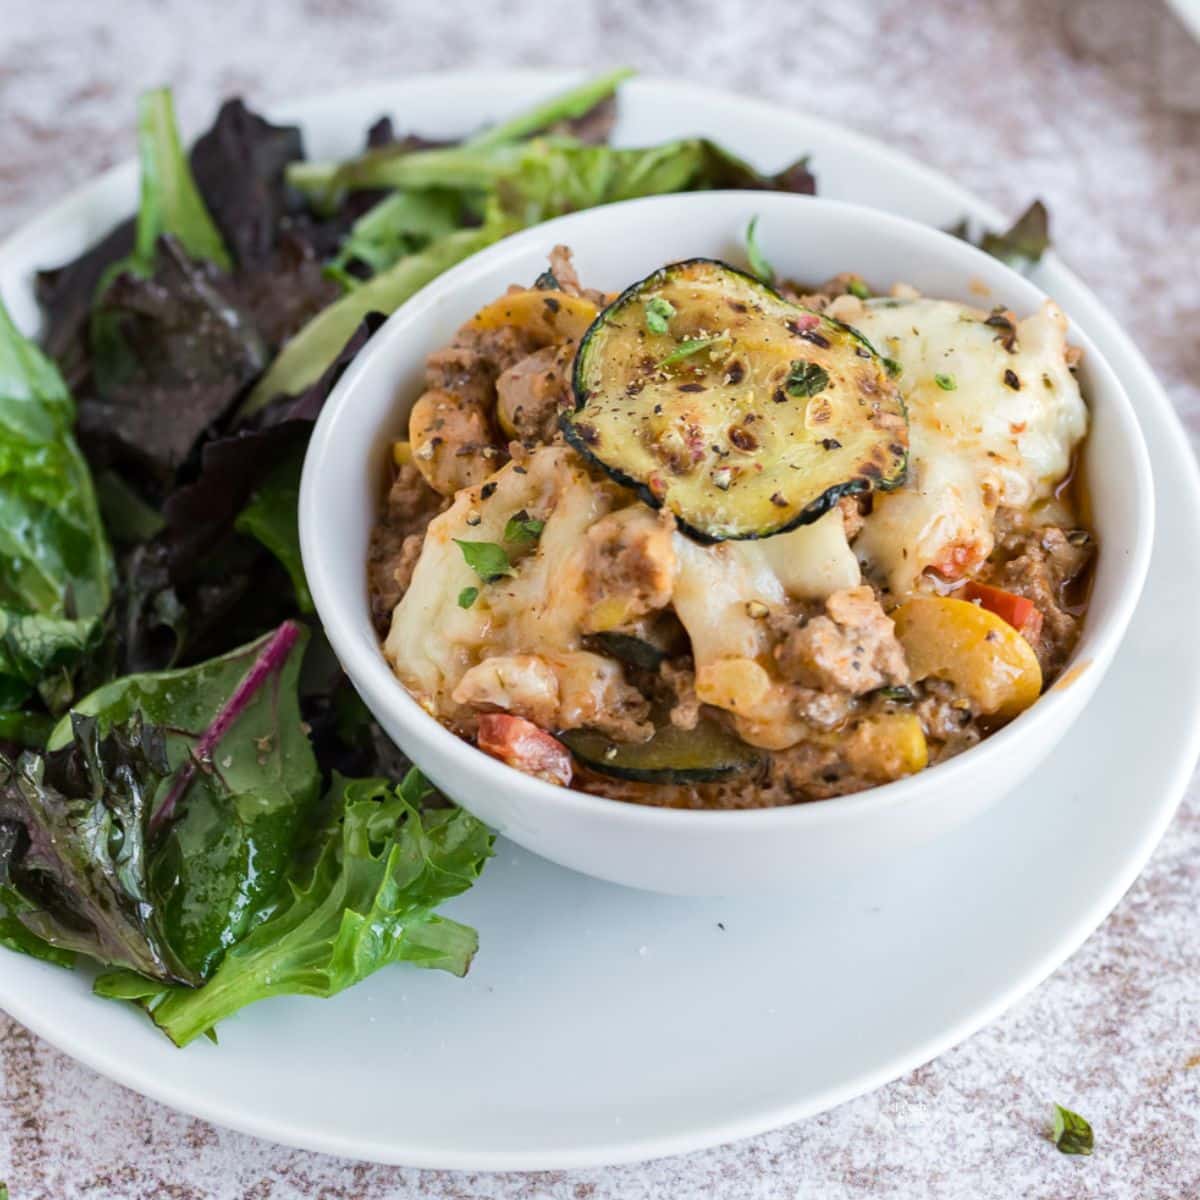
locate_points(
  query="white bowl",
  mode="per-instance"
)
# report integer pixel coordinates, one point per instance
(682, 851)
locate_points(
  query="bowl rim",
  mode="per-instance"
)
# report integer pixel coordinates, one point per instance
(1092, 655)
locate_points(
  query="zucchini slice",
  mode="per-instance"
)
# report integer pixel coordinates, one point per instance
(645, 646)
(708, 393)
(701, 755)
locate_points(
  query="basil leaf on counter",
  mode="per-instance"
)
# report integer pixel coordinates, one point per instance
(1072, 1134)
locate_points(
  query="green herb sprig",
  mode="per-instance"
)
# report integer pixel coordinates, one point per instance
(689, 347)
(806, 379)
(486, 559)
(658, 314)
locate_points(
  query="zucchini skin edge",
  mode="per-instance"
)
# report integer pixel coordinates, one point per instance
(813, 511)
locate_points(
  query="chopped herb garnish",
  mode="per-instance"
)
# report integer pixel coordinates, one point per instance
(856, 287)
(467, 597)
(756, 258)
(946, 382)
(1072, 1134)
(522, 528)
(691, 346)
(658, 314)
(486, 559)
(893, 368)
(806, 378)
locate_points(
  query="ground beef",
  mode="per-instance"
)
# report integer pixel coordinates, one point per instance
(396, 540)
(532, 392)
(851, 649)
(1045, 564)
(852, 516)
(473, 362)
(949, 719)
(563, 270)
(680, 682)
(631, 563)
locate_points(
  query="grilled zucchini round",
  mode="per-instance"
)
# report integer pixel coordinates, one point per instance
(745, 415)
(701, 755)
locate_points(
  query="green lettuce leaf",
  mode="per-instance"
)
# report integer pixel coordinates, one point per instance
(56, 566)
(304, 359)
(170, 201)
(325, 182)
(401, 224)
(362, 897)
(243, 786)
(272, 517)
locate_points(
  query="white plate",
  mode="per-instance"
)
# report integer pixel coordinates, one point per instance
(1188, 11)
(602, 1025)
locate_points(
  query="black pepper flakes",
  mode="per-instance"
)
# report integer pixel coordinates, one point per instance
(778, 500)
(487, 491)
(831, 444)
(1011, 379)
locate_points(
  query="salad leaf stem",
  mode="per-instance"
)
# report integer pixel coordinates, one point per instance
(170, 201)
(270, 659)
(574, 102)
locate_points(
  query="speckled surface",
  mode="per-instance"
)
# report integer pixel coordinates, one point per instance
(1094, 105)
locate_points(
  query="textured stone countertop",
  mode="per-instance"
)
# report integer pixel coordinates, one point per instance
(1093, 105)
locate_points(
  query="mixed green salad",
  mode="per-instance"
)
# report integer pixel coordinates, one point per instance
(192, 796)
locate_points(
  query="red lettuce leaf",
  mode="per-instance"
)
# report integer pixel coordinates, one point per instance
(183, 356)
(74, 846)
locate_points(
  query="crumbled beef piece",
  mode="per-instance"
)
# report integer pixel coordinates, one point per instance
(1042, 564)
(631, 565)
(947, 715)
(851, 649)
(680, 679)
(396, 541)
(532, 392)
(563, 270)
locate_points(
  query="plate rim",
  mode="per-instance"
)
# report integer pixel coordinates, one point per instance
(632, 1150)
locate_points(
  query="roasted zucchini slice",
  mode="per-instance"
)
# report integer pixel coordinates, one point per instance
(646, 645)
(701, 755)
(708, 393)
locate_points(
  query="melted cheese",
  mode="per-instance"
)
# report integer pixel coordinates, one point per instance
(1002, 435)
(433, 642)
